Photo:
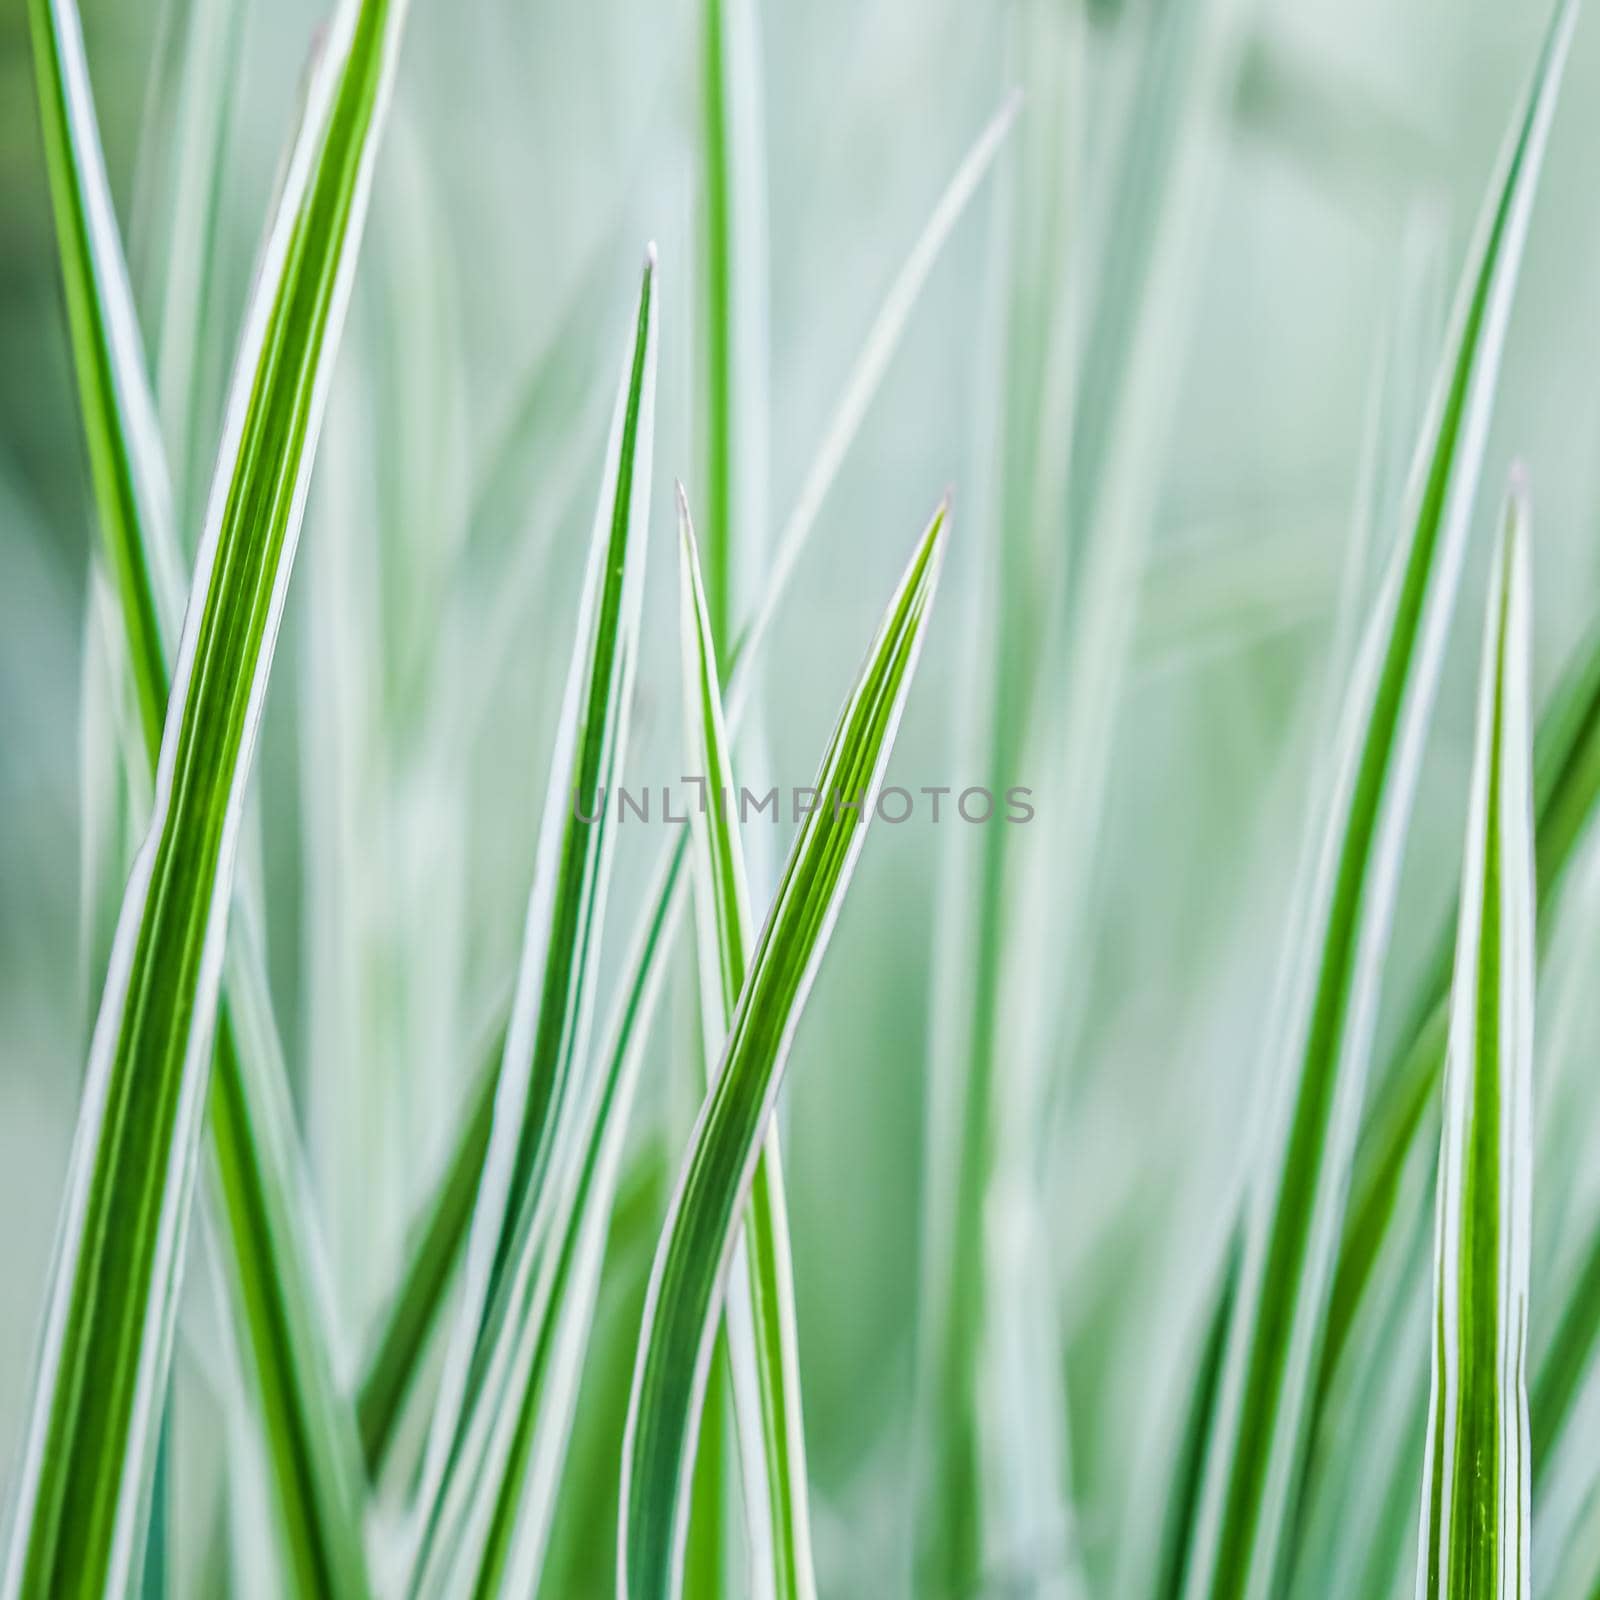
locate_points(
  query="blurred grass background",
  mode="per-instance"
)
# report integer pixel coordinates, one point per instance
(534, 148)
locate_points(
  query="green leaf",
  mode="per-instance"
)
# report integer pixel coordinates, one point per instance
(547, 1042)
(1297, 1201)
(693, 1257)
(395, 1351)
(761, 1314)
(83, 1482)
(1566, 783)
(1475, 1480)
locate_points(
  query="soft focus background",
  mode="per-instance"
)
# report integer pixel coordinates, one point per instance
(535, 148)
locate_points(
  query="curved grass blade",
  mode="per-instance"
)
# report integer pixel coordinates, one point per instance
(693, 1256)
(84, 1479)
(761, 1290)
(1475, 1480)
(395, 1349)
(1258, 1450)
(1566, 782)
(548, 1037)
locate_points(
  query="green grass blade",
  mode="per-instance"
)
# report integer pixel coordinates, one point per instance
(693, 1256)
(1258, 1449)
(110, 753)
(774, 1447)
(394, 1352)
(1475, 1480)
(131, 491)
(83, 1483)
(548, 1037)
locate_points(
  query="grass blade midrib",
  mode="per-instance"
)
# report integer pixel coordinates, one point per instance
(1476, 1483)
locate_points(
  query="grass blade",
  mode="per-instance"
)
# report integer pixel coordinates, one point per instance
(548, 1037)
(1199, 1410)
(1258, 1451)
(84, 1477)
(773, 1441)
(1566, 783)
(693, 1256)
(583, 1535)
(1475, 1481)
(394, 1352)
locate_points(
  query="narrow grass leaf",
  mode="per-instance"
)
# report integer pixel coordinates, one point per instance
(1475, 1480)
(395, 1348)
(1566, 783)
(552, 1010)
(583, 1537)
(761, 1286)
(83, 1483)
(692, 1259)
(1406, 1107)
(1258, 1448)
